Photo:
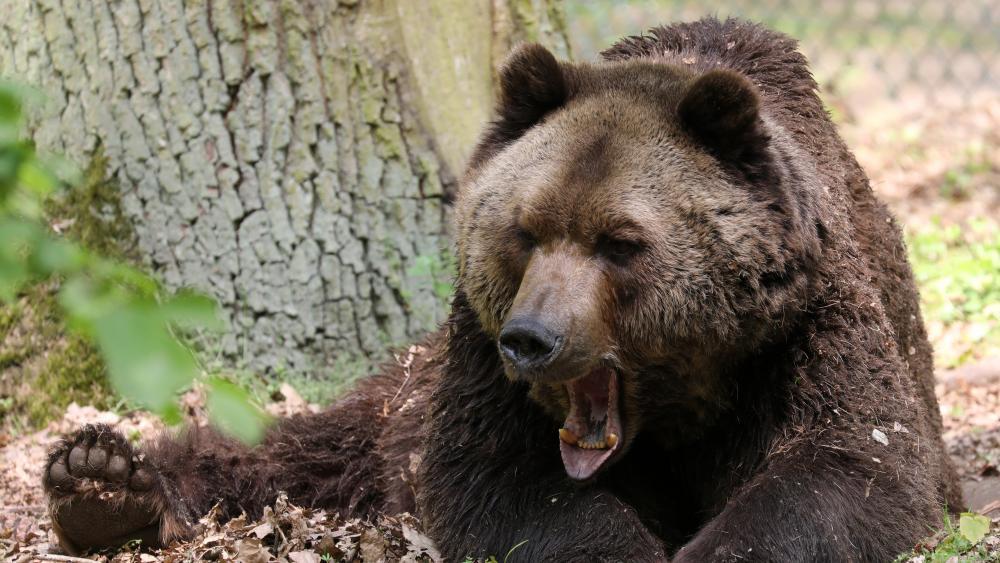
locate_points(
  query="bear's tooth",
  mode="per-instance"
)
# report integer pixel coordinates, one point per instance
(567, 436)
(611, 439)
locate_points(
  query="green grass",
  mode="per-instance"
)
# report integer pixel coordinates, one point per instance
(965, 176)
(958, 271)
(321, 389)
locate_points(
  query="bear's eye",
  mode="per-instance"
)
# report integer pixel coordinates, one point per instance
(619, 251)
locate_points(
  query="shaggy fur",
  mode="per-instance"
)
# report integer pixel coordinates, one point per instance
(683, 214)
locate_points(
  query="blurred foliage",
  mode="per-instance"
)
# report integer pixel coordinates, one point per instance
(123, 310)
(958, 271)
(43, 367)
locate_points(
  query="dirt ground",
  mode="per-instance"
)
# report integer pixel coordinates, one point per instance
(943, 167)
(910, 154)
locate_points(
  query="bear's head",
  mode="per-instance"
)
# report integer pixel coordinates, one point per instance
(628, 234)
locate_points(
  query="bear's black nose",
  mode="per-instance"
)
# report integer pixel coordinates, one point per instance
(528, 345)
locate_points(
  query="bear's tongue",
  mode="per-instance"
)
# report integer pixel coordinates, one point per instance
(592, 431)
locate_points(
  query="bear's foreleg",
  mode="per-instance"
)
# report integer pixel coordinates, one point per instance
(104, 492)
(810, 506)
(537, 520)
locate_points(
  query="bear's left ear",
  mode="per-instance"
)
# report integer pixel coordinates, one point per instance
(721, 109)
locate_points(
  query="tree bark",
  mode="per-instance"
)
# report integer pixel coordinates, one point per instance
(292, 158)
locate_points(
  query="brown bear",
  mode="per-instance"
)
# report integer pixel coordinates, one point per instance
(683, 328)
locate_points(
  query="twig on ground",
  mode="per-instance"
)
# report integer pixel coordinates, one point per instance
(66, 558)
(991, 507)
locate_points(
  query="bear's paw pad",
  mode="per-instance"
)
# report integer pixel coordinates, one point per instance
(101, 492)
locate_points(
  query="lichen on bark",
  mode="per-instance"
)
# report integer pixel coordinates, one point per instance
(291, 158)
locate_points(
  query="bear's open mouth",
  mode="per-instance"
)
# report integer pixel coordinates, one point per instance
(592, 432)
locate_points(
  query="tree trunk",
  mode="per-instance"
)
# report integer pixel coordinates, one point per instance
(292, 158)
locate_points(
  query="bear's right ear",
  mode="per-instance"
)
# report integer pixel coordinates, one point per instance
(532, 84)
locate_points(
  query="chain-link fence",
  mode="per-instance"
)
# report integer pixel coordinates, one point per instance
(860, 50)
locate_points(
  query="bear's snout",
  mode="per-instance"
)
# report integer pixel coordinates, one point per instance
(528, 344)
(554, 330)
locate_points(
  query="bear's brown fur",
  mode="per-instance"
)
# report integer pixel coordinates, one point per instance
(683, 326)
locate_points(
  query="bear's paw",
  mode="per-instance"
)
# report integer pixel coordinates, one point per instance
(102, 492)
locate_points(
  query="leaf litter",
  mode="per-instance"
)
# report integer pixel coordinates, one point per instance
(284, 533)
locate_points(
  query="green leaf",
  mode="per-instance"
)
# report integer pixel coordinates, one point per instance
(61, 168)
(18, 240)
(21, 95)
(10, 163)
(25, 204)
(17, 237)
(38, 180)
(230, 409)
(10, 105)
(145, 362)
(54, 256)
(86, 301)
(192, 310)
(13, 275)
(132, 278)
(973, 527)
